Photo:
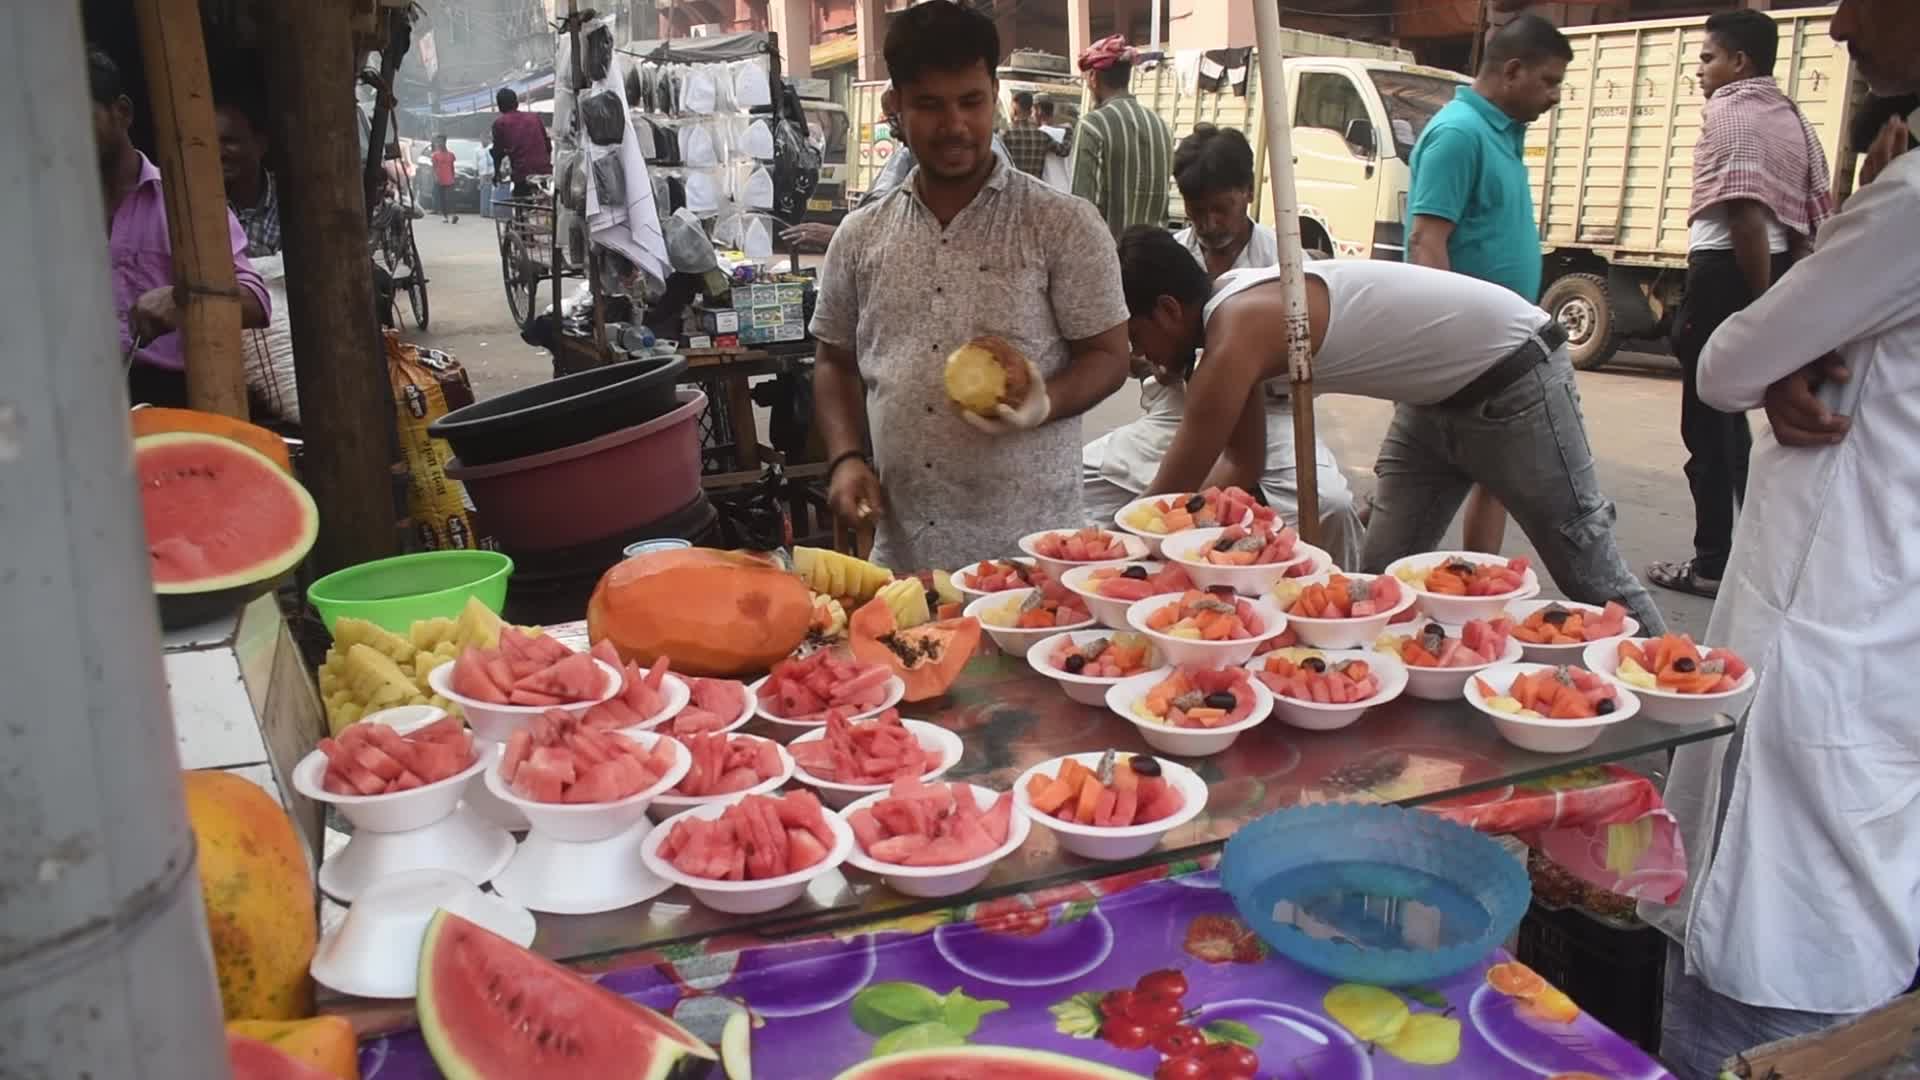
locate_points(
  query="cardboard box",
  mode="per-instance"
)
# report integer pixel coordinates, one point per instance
(790, 292)
(754, 335)
(793, 312)
(792, 331)
(723, 321)
(699, 341)
(727, 341)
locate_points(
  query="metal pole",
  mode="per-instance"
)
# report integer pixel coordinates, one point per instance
(105, 965)
(1286, 222)
(1153, 32)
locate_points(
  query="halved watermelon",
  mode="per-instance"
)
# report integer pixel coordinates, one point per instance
(223, 522)
(491, 1010)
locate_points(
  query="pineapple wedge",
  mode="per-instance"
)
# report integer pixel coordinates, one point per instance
(835, 574)
(348, 632)
(375, 680)
(477, 625)
(907, 599)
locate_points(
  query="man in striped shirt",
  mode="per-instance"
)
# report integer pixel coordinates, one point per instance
(1123, 154)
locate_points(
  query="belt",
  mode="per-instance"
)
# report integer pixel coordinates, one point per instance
(1532, 352)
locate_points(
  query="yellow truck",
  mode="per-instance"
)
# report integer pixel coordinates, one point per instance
(1613, 166)
(1358, 108)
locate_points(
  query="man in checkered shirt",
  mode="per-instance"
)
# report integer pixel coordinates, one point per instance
(250, 187)
(1027, 146)
(1759, 194)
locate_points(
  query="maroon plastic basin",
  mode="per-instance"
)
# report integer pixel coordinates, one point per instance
(604, 487)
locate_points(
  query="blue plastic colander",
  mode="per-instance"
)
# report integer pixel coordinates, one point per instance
(1374, 894)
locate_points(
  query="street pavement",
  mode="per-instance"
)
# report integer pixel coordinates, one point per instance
(1632, 408)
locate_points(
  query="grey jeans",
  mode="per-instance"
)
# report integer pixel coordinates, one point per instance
(1700, 1029)
(1527, 445)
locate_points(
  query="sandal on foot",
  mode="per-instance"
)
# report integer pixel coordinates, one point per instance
(1683, 577)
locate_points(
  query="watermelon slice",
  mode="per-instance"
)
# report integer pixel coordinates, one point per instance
(374, 759)
(554, 1023)
(221, 519)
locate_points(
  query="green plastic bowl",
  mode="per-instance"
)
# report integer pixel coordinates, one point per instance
(395, 593)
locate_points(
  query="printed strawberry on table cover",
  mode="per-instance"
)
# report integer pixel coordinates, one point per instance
(1034, 973)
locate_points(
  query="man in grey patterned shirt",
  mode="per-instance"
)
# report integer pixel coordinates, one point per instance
(967, 246)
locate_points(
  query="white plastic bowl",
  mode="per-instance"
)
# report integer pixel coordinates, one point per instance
(665, 728)
(580, 823)
(399, 811)
(1213, 654)
(1314, 716)
(1183, 741)
(1563, 654)
(1545, 736)
(1013, 640)
(896, 690)
(667, 804)
(1108, 611)
(961, 575)
(1085, 689)
(744, 897)
(1107, 844)
(1665, 706)
(1153, 540)
(934, 881)
(1444, 684)
(944, 745)
(1348, 633)
(1461, 609)
(1136, 549)
(374, 953)
(497, 723)
(1185, 549)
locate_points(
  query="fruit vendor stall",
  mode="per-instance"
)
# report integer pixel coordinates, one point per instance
(953, 823)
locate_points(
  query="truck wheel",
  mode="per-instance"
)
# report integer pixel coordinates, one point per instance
(1580, 304)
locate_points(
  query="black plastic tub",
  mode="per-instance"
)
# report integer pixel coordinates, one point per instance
(561, 413)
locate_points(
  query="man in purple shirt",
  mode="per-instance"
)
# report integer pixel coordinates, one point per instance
(521, 138)
(144, 299)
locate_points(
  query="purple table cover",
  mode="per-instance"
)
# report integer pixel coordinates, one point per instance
(1009, 974)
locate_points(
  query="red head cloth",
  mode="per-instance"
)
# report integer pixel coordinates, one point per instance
(1105, 53)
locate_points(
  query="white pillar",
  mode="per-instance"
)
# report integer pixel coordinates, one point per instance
(869, 28)
(106, 969)
(793, 21)
(1079, 28)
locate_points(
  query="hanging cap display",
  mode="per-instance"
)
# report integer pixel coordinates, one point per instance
(1105, 53)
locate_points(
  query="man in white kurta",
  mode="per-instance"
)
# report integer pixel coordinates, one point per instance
(1806, 910)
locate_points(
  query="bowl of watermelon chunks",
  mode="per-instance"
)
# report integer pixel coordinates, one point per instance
(1108, 805)
(1549, 709)
(1248, 559)
(1344, 611)
(726, 765)
(800, 691)
(749, 856)
(501, 689)
(579, 784)
(990, 576)
(1109, 591)
(1060, 550)
(1441, 658)
(847, 759)
(1086, 662)
(1455, 586)
(934, 839)
(393, 771)
(1191, 711)
(1328, 689)
(1677, 681)
(1559, 631)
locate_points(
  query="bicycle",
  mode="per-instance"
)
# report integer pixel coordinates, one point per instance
(526, 245)
(393, 242)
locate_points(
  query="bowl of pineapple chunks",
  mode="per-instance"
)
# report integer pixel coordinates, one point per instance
(369, 667)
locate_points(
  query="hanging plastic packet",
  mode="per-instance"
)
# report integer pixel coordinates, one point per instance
(749, 82)
(609, 181)
(604, 116)
(757, 192)
(757, 141)
(756, 238)
(596, 52)
(696, 145)
(688, 249)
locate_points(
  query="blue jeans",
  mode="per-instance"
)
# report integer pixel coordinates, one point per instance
(1700, 1029)
(1527, 445)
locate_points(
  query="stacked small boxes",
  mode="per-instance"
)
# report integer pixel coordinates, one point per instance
(775, 311)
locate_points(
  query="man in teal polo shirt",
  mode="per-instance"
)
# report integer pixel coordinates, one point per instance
(1470, 209)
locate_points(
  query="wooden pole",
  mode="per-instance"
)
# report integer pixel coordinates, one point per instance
(346, 401)
(1286, 222)
(1479, 49)
(188, 150)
